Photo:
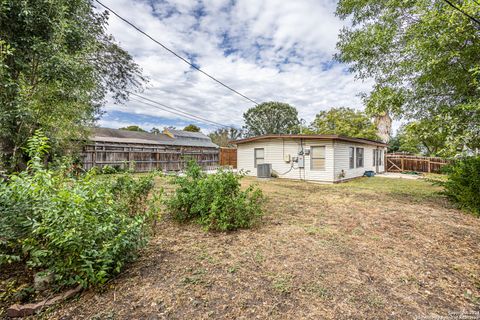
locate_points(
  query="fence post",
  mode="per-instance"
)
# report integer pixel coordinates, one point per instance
(401, 160)
(130, 159)
(428, 165)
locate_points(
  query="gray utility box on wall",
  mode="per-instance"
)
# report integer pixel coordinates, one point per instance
(264, 170)
(301, 161)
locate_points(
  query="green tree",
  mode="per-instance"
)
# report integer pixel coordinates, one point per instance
(155, 130)
(345, 122)
(405, 141)
(271, 118)
(423, 56)
(382, 104)
(427, 135)
(222, 137)
(133, 128)
(446, 134)
(394, 144)
(192, 128)
(57, 63)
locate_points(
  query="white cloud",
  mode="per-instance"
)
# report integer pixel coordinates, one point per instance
(277, 50)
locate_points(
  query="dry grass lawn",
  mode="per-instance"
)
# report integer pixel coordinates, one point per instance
(372, 248)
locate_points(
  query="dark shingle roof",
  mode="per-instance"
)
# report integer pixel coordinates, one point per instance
(125, 136)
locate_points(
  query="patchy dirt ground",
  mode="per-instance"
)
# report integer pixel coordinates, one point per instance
(372, 248)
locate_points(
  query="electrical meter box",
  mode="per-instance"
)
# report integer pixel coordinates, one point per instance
(301, 161)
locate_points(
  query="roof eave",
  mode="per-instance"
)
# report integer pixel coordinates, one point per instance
(315, 137)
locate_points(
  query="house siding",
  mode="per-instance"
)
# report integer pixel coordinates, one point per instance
(276, 149)
(342, 160)
(336, 158)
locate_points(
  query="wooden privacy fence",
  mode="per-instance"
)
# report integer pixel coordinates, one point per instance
(228, 157)
(402, 162)
(143, 158)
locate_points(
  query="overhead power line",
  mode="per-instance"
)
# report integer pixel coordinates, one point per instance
(177, 112)
(175, 109)
(176, 54)
(463, 12)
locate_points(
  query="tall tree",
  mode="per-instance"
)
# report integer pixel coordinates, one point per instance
(424, 52)
(420, 137)
(222, 137)
(57, 63)
(192, 128)
(271, 118)
(442, 135)
(344, 121)
(382, 104)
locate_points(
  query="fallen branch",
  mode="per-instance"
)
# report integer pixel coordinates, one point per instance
(24, 310)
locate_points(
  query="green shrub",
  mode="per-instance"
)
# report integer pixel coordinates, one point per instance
(463, 183)
(82, 230)
(109, 170)
(215, 201)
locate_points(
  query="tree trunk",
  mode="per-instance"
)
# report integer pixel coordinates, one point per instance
(384, 126)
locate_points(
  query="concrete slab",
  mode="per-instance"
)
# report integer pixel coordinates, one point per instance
(398, 175)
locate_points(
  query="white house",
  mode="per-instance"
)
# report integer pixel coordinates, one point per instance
(326, 158)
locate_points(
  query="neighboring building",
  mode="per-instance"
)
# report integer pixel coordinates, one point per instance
(189, 138)
(327, 158)
(145, 151)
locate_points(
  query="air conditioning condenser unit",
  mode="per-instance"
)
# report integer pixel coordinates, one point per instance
(264, 170)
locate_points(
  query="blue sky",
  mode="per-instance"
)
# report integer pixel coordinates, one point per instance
(270, 50)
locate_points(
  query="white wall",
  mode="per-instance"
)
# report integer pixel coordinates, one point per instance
(342, 160)
(275, 149)
(336, 158)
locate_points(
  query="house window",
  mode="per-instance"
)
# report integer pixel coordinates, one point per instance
(375, 155)
(380, 157)
(359, 157)
(351, 156)
(259, 156)
(317, 158)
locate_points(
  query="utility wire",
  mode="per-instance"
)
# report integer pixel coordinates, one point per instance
(175, 109)
(169, 109)
(176, 54)
(176, 113)
(463, 12)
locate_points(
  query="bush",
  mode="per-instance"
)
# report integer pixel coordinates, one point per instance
(82, 230)
(215, 201)
(109, 170)
(463, 183)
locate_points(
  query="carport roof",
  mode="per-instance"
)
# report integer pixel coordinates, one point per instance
(135, 137)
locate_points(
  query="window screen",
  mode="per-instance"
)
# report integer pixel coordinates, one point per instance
(352, 157)
(317, 158)
(380, 157)
(259, 156)
(359, 157)
(375, 156)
